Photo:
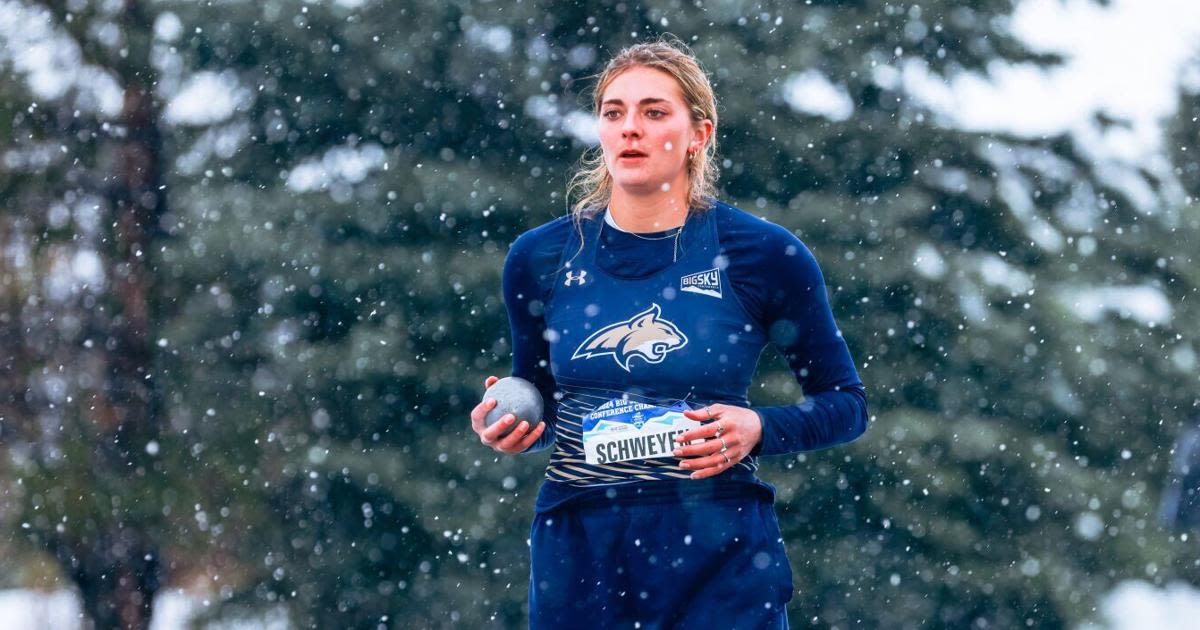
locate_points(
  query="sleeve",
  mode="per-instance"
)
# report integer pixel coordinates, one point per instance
(524, 301)
(800, 324)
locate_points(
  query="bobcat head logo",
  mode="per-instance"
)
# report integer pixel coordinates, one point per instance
(644, 335)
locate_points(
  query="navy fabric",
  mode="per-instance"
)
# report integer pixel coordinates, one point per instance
(650, 562)
(708, 344)
(657, 339)
(735, 482)
(772, 276)
(599, 313)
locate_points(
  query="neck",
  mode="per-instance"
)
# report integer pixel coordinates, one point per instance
(654, 212)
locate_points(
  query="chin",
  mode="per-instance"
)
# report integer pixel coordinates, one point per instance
(636, 179)
(638, 186)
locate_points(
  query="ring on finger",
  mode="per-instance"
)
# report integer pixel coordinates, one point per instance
(727, 460)
(720, 429)
(709, 410)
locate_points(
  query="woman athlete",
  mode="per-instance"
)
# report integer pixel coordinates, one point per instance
(655, 292)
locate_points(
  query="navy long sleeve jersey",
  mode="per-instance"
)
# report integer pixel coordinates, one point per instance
(774, 283)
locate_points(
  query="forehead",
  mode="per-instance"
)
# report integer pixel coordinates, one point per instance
(641, 82)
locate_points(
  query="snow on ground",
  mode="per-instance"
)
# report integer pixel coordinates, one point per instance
(1132, 605)
(37, 610)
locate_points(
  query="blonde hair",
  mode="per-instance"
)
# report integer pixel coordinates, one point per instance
(593, 183)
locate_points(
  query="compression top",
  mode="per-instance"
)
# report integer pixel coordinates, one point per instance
(660, 319)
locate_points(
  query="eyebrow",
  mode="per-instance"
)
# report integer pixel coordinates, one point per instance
(646, 101)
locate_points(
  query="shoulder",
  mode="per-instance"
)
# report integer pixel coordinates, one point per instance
(543, 244)
(533, 258)
(749, 241)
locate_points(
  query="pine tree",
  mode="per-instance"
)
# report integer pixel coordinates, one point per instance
(86, 192)
(328, 282)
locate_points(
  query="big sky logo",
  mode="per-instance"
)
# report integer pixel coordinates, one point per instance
(703, 282)
(645, 335)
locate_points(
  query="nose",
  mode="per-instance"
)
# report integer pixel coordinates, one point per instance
(630, 128)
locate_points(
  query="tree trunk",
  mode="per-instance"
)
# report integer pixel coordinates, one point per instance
(117, 569)
(117, 577)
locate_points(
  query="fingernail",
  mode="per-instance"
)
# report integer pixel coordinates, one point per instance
(684, 465)
(693, 475)
(676, 452)
(508, 420)
(524, 425)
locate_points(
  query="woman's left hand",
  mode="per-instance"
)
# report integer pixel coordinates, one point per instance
(737, 430)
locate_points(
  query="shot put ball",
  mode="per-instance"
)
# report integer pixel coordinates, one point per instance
(517, 396)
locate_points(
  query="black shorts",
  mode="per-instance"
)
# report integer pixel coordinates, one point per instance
(716, 563)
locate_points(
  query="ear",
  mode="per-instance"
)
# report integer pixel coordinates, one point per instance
(643, 321)
(701, 132)
(648, 318)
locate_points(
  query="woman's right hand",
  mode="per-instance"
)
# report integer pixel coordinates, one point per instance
(517, 441)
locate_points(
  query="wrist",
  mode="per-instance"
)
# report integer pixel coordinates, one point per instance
(756, 449)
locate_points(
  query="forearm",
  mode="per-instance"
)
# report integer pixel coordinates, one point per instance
(546, 387)
(821, 420)
(531, 351)
(544, 441)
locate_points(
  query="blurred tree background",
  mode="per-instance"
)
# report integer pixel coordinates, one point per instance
(250, 287)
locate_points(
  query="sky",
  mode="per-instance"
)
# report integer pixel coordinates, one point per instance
(1124, 60)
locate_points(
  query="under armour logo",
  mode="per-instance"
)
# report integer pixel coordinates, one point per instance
(578, 279)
